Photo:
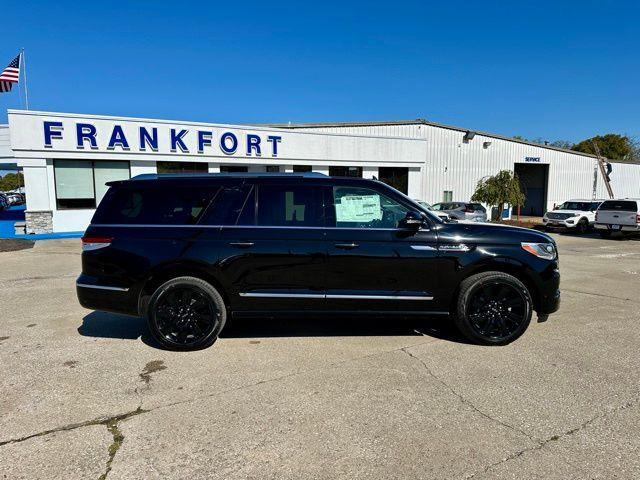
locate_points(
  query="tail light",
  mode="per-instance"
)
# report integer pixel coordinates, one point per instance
(94, 243)
(596, 215)
(637, 218)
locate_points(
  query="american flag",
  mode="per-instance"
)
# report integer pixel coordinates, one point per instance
(10, 75)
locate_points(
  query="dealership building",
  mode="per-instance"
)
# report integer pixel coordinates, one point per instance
(68, 158)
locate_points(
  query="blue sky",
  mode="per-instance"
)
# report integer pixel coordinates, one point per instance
(548, 69)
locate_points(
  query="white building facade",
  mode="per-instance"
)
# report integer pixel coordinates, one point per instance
(67, 158)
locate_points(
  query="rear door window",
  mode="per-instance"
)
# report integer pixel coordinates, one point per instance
(154, 205)
(290, 205)
(620, 205)
(232, 205)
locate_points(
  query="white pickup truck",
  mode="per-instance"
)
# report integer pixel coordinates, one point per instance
(621, 215)
(577, 215)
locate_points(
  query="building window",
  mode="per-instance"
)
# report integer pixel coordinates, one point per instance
(80, 184)
(345, 172)
(182, 167)
(233, 169)
(301, 168)
(447, 196)
(397, 178)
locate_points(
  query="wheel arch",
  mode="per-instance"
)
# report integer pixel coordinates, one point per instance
(183, 268)
(505, 265)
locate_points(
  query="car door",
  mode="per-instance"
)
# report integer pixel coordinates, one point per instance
(372, 264)
(274, 257)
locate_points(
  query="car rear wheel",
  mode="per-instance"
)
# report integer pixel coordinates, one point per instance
(186, 313)
(493, 308)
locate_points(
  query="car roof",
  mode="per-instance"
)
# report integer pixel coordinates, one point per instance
(618, 199)
(204, 178)
(584, 200)
(182, 176)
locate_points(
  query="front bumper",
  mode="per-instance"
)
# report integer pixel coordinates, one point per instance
(549, 292)
(559, 224)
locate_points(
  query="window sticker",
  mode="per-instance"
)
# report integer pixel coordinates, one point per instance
(358, 208)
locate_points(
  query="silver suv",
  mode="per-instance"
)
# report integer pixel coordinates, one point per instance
(473, 212)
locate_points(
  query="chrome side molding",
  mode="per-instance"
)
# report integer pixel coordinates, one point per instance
(102, 287)
(334, 296)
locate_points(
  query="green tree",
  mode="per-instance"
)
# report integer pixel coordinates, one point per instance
(11, 181)
(498, 190)
(611, 146)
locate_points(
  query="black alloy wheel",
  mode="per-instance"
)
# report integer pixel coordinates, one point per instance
(497, 310)
(186, 313)
(494, 308)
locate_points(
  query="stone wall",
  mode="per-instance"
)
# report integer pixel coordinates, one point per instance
(39, 221)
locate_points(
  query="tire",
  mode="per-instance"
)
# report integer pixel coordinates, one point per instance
(604, 233)
(493, 308)
(186, 313)
(583, 226)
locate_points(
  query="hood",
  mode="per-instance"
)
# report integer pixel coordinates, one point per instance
(485, 233)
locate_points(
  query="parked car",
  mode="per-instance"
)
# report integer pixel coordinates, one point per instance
(443, 215)
(474, 212)
(190, 252)
(4, 203)
(576, 215)
(13, 198)
(621, 215)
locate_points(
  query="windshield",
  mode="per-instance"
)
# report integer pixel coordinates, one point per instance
(582, 206)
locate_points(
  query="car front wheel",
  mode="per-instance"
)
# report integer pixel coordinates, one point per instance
(186, 313)
(493, 308)
(583, 226)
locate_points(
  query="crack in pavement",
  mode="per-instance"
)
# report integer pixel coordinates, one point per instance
(554, 438)
(7, 281)
(464, 400)
(72, 426)
(118, 438)
(599, 295)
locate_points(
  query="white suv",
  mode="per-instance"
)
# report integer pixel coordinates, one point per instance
(576, 215)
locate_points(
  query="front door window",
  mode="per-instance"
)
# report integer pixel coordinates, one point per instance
(356, 207)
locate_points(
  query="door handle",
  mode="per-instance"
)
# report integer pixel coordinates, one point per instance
(241, 244)
(347, 246)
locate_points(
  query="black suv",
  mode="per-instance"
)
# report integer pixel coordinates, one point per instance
(188, 252)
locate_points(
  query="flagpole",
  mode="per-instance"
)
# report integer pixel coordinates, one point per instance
(26, 89)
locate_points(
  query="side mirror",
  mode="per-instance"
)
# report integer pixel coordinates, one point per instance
(411, 221)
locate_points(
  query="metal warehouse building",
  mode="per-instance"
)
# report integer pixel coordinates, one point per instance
(67, 158)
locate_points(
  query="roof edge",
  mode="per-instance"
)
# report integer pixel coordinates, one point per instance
(422, 121)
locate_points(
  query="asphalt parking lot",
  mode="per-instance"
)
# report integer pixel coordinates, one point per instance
(88, 395)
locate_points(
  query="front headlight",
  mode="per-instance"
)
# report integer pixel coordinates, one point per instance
(541, 250)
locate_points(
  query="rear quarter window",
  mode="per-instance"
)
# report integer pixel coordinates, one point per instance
(620, 205)
(153, 205)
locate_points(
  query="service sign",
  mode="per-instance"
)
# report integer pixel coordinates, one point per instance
(56, 135)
